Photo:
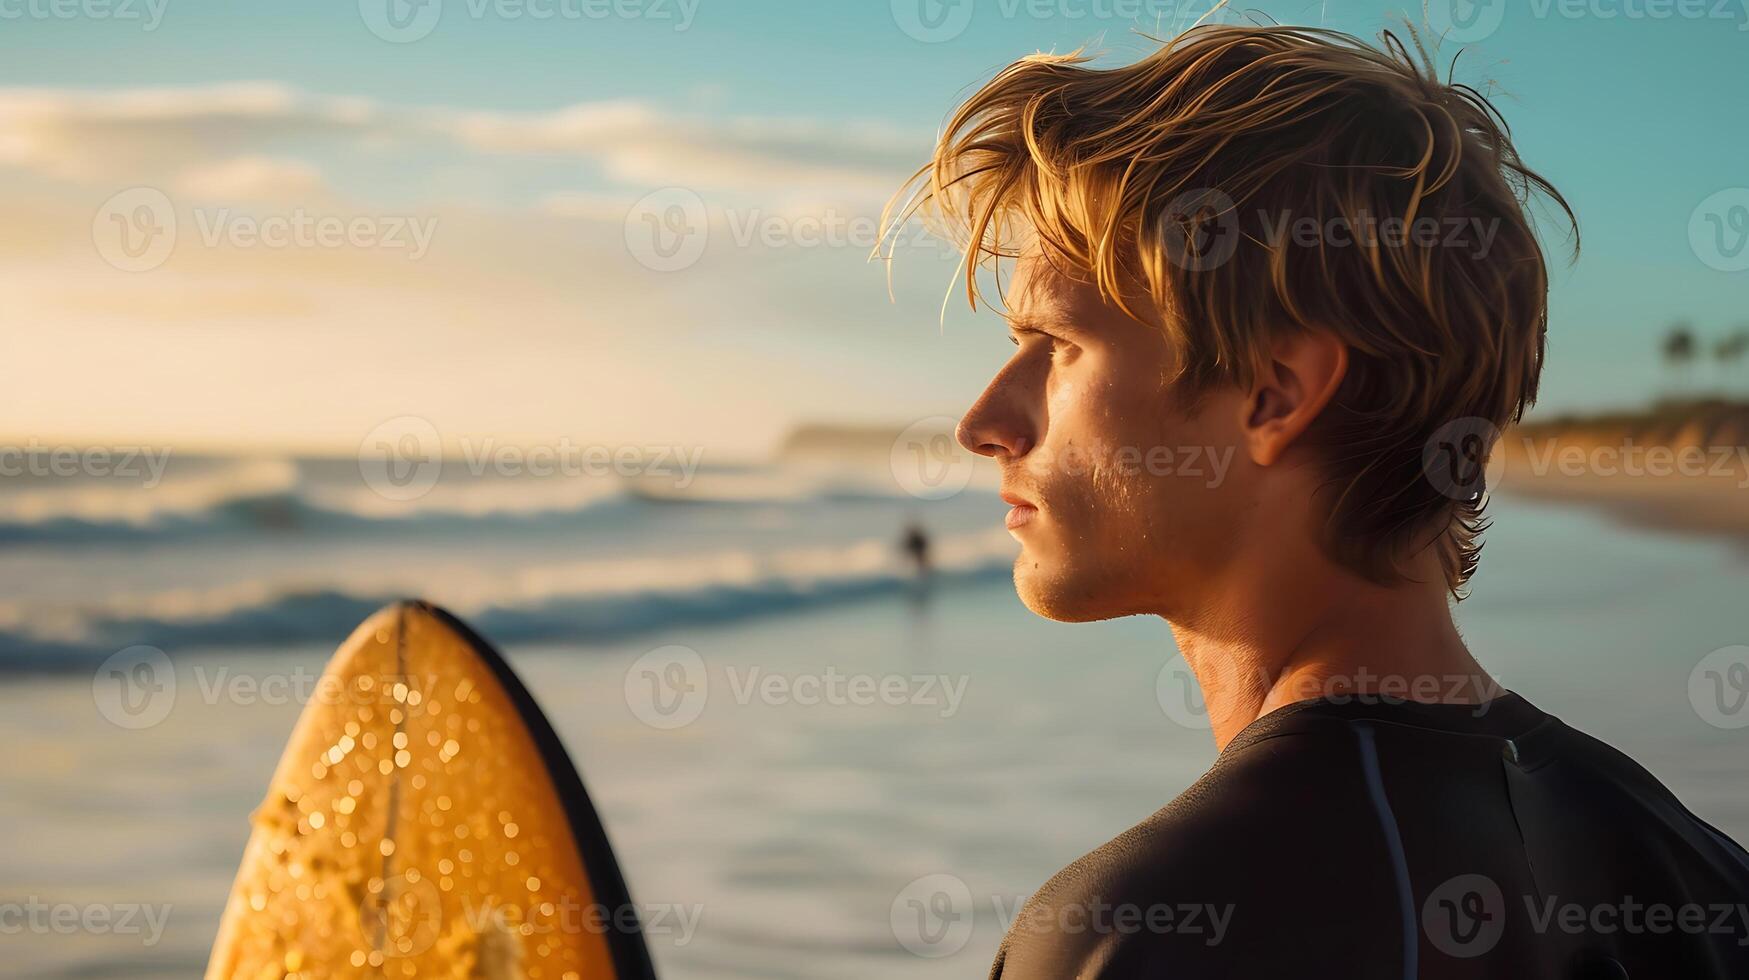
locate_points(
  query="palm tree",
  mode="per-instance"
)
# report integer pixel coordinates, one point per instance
(1679, 351)
(1728, 351)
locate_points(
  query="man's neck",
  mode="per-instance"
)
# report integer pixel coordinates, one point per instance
(1330, 636)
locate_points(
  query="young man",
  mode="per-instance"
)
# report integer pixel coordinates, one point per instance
(1287, 244)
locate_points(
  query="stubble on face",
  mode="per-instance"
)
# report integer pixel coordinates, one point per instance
(1110, 512)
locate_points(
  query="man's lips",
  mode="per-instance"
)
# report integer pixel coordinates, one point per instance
(1022, 512)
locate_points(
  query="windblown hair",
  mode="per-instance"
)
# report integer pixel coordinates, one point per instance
(1174, 178)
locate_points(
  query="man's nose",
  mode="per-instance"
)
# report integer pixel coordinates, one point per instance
(997, 425)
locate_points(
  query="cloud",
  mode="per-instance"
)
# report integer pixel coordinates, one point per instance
(252, 178)
(638, 144)
(154, 135)
(145, 134)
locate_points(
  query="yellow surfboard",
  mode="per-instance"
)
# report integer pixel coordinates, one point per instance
(425, 821)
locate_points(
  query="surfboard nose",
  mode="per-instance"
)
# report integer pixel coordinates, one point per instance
(386, 623)
(407, 636)
(423, 821)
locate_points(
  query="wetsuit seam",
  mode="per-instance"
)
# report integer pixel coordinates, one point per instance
(1524, 849)
(1375, 787)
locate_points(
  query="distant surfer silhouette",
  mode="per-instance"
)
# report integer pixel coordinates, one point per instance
(915, 544)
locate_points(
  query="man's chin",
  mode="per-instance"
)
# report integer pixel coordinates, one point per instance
(1056, 594)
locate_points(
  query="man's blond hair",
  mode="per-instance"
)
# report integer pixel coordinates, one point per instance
(1253, 181)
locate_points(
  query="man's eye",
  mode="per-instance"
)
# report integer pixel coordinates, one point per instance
(1034, 339)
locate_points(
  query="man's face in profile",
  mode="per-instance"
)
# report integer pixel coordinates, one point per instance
(1124, 501)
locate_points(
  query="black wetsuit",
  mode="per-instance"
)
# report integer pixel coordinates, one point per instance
(1398, 840)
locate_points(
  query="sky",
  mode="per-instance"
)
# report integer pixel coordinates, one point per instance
(272, 226)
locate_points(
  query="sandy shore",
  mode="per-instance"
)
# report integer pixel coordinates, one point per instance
(1677, 468)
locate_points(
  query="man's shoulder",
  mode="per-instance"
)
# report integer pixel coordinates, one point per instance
(1321, 838)
(1253, 807)
(1227, 869)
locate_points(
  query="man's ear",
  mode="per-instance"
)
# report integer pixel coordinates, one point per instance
(1297, 380)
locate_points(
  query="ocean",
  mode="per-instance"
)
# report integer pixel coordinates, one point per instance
(786, 828)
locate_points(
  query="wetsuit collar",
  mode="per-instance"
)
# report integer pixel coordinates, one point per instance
(1507, 716)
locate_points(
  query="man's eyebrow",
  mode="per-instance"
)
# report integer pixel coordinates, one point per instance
(1038, 323)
